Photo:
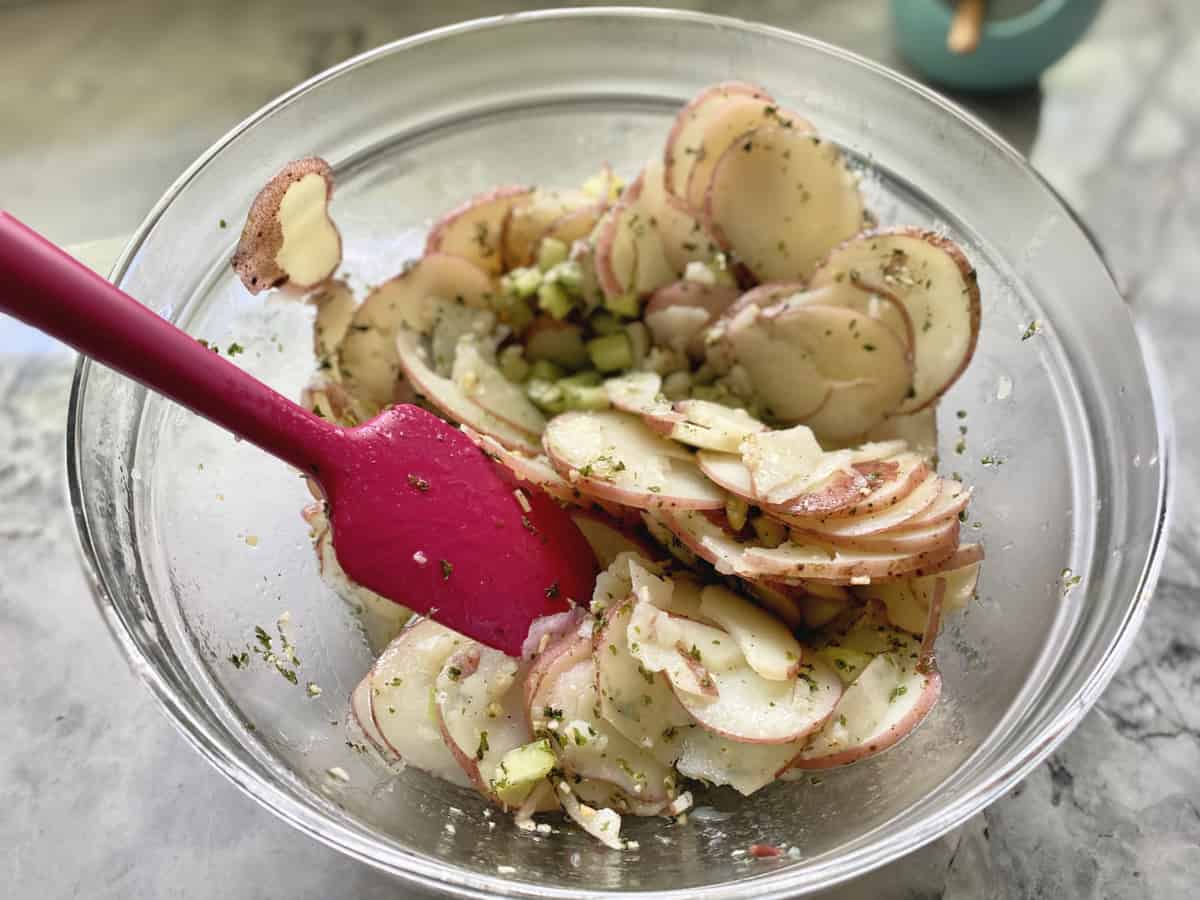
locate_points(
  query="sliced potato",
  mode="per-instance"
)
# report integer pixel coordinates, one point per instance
(678, 313)
(360, 709)
(711, 426)
(631, 255)
(879, 521)
(453, 402)
(932, 277)
(685, 238)
(402, 684)
(614, 456)
(609, 538)
(906, 539)
(635, 701)
(908, 601)
(889, 482)
(480, 711)
(335, 310)
(780, 199)
(768, 646)
(729, 123)
(887, 701)
(474, 229)
(685, 142)
(754, 710)
(639, 393)
(746, 768)
(479, 379)
(289, 237)
(706, 539)
(450, 323)
(785, 463)
(951, 500)
(367, 359)
(841, 565)
(528, 222)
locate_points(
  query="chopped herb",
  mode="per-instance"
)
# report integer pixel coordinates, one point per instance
(552, 591)
(1034, 327)
(223, 224)
(483, 746)
(234, 349)
(551, 712)
(240, 660)
(897, 692)
(447, 569)
(263, 637)
(842, 720)
(870, 348)
(960, 446)
(453, 673)
(992, 460)
(694, 653)
(962, 414)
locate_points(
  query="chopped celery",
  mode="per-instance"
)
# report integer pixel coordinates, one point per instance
(545, 370)
(611, 353)
(639, 341)
(626, 305)
(584, 397)
(521, 282)
(569, 274)
(521, 769)
(603, 323)
(546, 396)
(517, 316)
(769, 532)
(553, 299)
(588, 378)
(560, 343)
(511, 361)
(677, 385)
(551, 252)
(736, 510)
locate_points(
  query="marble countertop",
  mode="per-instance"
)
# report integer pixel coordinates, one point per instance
(99, 796)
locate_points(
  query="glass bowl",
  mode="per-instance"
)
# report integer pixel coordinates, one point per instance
(193, 539)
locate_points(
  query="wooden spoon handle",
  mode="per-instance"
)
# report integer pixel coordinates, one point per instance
(966, 29)
(48, 289)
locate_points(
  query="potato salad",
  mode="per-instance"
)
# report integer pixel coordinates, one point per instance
(729, 371)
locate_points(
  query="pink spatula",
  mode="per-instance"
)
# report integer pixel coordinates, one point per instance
(419, 515)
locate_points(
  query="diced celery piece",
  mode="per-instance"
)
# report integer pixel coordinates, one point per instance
(569, 274)
(553, 299)
(522, 282)
(736, 510)
(546, 396)
(551, 251)
(511, 361)
(611, 353)
(604, 322)
(518, 316)
(626, 305)
(769, 532)
(639, 341)
(520, 770)
(584, 397)
(545, 370)
(562, 345)
(588, 378)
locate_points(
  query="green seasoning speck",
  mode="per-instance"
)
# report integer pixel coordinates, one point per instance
(1034, 327)
(552, 591)
(263, 638)
(223, 223)
(694, 653)
(962, 414)
(551, 712)
(234, 349)
(992, 460)
(897, 692)
(447, 569)
(483, 746)
(240, 660)
(870, 348)
(1069, 580)
(453, 673)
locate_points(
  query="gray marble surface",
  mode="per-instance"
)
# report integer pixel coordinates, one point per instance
(103, 103)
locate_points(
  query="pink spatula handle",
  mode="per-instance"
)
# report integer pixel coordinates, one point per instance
(49, 290)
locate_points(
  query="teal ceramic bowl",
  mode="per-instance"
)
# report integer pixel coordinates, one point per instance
(1014, 51)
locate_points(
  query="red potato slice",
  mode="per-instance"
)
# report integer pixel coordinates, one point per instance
(932, 277)
(874, 523)
(289, 237)
(825, 562)
(335, 305)
(548, 630)
(951, 500)
(812, 605)
(769, 647)
(635, 701)
(744, 767)
(453, 402)
(613, 456)
(402, 683)
(671, 326)
(841, 489)
(631, 255)
(662, 642)
(908, 602)
(638, 393)
(685, 238)
(559, 655)
(360, 709)
(474, 230)
(485, 385)
(917, 539)
(526, 223)
(480, 711)
(787, 462)
(706, 539)
(780, 199)
(727, 124)
(754, 710)
(367, 359)
(886, 702)
(609, 539)
(918, 430)
(572, 226)
(780, 603)
(685, 141)
(707, 425)
(890, 480)
(587, 745)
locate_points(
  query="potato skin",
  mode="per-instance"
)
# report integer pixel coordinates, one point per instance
(262, 235)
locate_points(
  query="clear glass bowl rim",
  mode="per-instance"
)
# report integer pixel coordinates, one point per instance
(449, 879)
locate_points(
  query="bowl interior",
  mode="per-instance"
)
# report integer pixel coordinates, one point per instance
(197, 539)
